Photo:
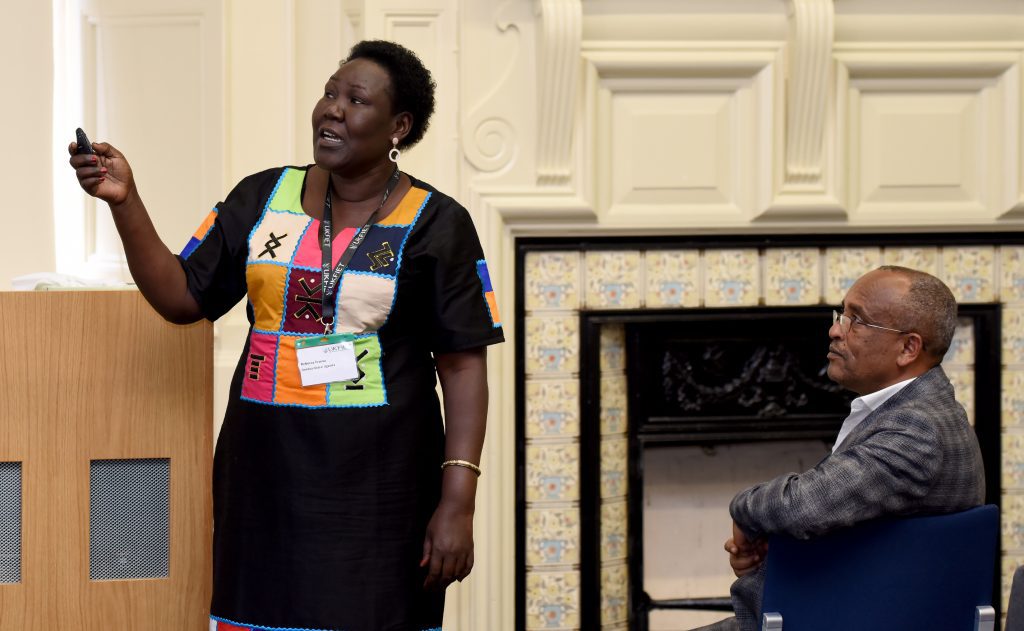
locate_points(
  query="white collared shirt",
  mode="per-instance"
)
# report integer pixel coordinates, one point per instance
(862, 406)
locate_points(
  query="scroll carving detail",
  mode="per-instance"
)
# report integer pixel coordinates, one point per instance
(558, 72)
(810, 63)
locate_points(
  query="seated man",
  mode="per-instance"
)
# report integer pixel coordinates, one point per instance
(906, 447)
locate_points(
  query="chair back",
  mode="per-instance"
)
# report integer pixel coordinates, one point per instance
(1015, 606)
(912, 573)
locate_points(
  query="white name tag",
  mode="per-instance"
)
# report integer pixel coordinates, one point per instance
(326, 358)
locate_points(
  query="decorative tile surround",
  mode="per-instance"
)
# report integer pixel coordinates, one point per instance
(558, 284)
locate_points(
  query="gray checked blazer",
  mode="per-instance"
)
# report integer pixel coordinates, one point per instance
(915, 454)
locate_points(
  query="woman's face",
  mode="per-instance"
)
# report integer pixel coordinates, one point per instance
(353, 121)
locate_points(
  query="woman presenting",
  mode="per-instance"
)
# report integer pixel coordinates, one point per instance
(342, 502)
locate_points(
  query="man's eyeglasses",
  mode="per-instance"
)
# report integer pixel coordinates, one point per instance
(846, 322)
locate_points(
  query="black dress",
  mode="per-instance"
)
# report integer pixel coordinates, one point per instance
(322, 493)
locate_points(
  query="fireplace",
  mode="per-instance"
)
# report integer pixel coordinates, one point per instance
(743, 394)
(584, 426)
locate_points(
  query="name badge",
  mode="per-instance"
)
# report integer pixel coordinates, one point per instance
(326, 358)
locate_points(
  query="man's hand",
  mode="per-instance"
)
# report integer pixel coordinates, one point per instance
(745, 556)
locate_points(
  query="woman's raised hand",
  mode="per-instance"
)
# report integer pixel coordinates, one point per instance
(105, 174)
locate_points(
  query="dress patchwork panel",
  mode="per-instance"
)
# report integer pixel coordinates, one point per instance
(258, 380)
(267, 282)
(303, 302)
(368, 388)
(322, 494)
(276, 238)
(364, 302)
(288, 389)
(200, 234)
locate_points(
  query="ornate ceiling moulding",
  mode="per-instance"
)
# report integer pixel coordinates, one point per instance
(558, 77)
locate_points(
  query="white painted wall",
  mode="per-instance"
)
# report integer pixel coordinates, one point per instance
(26, 83)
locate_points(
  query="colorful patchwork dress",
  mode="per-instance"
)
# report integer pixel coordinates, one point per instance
(322, 493)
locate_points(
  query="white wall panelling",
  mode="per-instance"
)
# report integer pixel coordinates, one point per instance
(163, 110)
(931, 135)
(682, 133)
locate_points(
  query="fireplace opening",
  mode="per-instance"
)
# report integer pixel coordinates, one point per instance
(686, 493)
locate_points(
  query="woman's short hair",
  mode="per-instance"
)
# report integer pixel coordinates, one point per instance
(412, 87)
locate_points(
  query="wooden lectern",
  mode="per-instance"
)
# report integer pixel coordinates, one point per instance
(105, 425)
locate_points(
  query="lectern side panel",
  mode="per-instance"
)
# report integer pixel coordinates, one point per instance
(108, 379)
(28, 428)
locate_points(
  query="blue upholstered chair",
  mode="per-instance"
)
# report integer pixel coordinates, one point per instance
(1015, 607)
(933, 573)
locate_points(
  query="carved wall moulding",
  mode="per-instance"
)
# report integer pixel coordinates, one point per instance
(558, 71)
(807, 108)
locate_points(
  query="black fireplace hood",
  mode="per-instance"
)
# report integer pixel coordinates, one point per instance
(724, 375)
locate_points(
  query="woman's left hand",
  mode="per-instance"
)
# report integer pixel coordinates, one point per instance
(448, 546)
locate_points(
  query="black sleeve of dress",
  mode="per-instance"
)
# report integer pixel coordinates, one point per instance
(464, 313)
(214, 259)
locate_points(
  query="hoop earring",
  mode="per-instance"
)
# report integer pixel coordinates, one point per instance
(394, 154)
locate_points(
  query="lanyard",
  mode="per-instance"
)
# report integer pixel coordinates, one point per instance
(329, 279)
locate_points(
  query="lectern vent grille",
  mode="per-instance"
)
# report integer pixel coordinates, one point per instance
(10, 522)
(129, 518)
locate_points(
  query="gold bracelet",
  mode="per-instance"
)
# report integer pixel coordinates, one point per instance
(462, 463)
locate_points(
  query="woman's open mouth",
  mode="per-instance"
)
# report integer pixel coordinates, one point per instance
(328, 137)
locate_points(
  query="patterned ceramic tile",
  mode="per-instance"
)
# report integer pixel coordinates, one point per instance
(1013, 335)
(963, 389)
(552, 536)
(731, 278)
(1011, 278)
(614, 594)
(1013, 461)
(552, 408)
(552, 472)
(614, 528)
(673, 278)
(614, 481)
(792, 276)
(552, 600)
(961, 349)
(613, 280)
(613, 348)
(552, 280)
(843, 266)
(923, 259)
(613, 405)
(552, 345)
(1013, 522)
(1013, 398)
(970, 272)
